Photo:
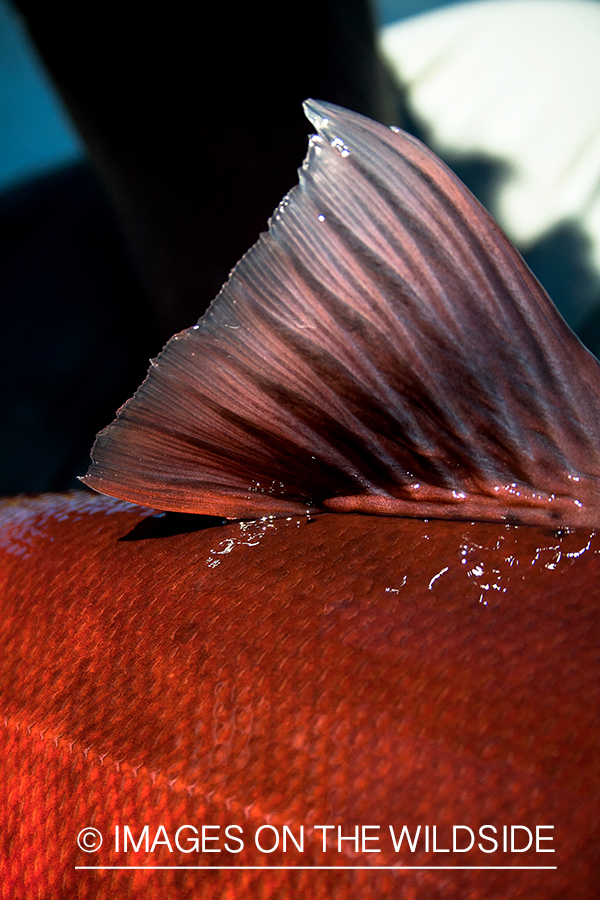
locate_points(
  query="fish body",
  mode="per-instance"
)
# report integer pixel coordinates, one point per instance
(341, 670)
(377, 638)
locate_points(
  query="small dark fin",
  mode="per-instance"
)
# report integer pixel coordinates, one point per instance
(383, 348)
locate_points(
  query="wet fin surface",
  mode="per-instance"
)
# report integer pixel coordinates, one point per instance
(383, 348)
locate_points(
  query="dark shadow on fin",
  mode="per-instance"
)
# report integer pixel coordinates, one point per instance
(169, 524)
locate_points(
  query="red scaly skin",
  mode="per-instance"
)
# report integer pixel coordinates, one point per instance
(349, 670)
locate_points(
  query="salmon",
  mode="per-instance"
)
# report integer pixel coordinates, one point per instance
(347, 643)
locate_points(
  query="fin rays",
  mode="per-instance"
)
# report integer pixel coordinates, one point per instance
(382, 348)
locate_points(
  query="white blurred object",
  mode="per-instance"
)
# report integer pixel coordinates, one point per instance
(517, 80)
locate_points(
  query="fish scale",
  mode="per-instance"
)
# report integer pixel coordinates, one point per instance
(308, 701)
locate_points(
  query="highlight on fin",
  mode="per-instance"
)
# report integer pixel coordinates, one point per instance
(383, 348)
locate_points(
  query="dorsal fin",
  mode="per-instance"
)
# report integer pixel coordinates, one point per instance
(383, 348)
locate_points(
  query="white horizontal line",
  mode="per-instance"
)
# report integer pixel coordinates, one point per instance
(288, 868)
